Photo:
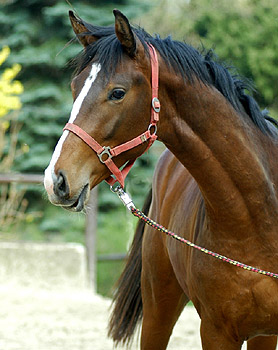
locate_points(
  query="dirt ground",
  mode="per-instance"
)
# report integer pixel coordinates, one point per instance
(36, 319)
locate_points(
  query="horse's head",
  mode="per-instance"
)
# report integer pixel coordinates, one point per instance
(112, 95)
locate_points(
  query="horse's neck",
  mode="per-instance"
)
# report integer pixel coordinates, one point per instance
(227, 155)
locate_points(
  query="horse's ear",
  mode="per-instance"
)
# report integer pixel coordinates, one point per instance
(124, 33)
(81, 30)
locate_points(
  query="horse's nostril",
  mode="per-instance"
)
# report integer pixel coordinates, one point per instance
(61, 184)
(61, 188)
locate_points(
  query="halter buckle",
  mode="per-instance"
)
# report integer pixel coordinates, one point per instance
(156, 104)
(106, 151)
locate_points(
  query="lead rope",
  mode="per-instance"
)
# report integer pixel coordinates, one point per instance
(127, 201)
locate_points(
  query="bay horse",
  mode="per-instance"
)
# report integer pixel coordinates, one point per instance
(216, 185)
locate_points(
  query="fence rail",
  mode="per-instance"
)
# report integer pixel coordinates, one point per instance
(90, 229)
(21, 178)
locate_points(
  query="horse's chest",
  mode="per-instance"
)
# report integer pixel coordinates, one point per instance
(244, 300)
(264, 304)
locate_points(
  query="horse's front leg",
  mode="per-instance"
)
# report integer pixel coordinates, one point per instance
(163, 299)
(214, 338)
(262, 343)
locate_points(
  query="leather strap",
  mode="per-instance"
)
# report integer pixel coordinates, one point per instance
(106, 153)
(155, 81)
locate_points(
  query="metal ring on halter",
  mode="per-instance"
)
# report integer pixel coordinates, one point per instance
(153, 126)
(106, 151)
(156, 104)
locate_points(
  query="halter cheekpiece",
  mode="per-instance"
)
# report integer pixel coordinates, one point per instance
(106, 153)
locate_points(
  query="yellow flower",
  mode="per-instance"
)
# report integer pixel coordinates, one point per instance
(10, 73)
(4, 54)
(9, 87)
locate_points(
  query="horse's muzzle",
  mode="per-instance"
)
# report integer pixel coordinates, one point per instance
(59, 193)
(82, 199)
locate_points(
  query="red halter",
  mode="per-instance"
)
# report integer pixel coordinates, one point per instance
(105, 153)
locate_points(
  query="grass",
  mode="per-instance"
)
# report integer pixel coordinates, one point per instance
(107, 276)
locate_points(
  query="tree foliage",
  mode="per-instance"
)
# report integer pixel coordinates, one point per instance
(245, 35)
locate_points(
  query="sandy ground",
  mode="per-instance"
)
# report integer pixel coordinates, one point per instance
(36, 319)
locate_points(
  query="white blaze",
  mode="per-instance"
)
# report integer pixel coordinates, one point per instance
(49, 171)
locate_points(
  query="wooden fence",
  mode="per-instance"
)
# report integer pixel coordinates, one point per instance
(90, 229)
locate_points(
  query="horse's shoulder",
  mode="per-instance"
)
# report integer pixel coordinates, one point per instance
(173, 182)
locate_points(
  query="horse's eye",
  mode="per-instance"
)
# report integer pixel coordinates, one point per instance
(117, 94)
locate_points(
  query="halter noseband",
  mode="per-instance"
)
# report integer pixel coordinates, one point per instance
(105, 153)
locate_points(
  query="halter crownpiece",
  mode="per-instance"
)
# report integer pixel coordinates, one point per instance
(105, 153)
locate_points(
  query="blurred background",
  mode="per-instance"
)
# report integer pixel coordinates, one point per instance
(35, 101)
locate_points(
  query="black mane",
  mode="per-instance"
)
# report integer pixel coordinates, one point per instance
(185, 60)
